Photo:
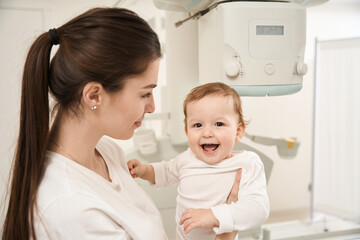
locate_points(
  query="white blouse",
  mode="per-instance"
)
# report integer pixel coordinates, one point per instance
(76, 203)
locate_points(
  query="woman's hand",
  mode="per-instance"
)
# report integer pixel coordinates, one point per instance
(233, 197)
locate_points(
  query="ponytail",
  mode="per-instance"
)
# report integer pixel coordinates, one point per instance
(29, 159)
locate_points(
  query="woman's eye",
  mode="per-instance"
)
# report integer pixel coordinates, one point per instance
(197, 125)
(219, 124)
(146, 95)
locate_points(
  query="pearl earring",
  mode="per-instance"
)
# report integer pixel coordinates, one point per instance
(93, 107)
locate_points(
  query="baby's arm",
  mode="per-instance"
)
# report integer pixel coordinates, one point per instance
(160, 174)
(144, 171)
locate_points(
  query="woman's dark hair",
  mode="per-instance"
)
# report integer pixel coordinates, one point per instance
(104, 45)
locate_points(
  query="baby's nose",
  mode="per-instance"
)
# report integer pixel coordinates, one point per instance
(207, 132)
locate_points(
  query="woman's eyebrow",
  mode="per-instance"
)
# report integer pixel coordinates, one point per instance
(150, 86)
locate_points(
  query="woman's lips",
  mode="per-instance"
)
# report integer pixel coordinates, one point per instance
(137, 124)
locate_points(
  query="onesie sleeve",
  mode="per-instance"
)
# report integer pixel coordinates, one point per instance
(76, 217)
(166, 173)
(252, 208)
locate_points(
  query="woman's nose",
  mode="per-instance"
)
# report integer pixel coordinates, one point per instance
(150, 107)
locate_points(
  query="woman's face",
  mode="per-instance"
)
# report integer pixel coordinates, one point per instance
(125, 110)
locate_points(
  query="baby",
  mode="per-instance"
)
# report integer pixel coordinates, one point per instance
(206, 170)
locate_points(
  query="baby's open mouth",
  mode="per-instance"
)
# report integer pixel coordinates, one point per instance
(210, 147)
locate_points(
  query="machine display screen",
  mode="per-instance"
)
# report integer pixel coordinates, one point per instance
(269, 30)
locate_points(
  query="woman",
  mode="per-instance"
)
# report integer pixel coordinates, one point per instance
(70, 182)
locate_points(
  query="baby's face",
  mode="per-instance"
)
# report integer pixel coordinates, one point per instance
(212, 127)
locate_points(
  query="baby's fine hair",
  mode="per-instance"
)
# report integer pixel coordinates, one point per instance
(215, 88)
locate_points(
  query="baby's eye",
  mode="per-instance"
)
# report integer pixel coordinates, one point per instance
(219, 124)
(146, 95)
(197, 125)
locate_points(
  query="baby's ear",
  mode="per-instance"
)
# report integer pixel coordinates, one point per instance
(240, 132)
(186, 130)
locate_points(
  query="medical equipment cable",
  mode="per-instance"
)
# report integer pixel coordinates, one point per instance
(201, 13)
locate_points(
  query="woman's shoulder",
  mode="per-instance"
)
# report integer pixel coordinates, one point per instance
(62, 191)
(76, 213)
(71, 203)
(58, 182)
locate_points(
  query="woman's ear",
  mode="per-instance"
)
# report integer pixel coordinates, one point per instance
(240, 132)
(92, 95)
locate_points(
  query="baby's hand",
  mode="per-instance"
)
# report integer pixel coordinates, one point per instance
(136, 168)
(195, 218)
